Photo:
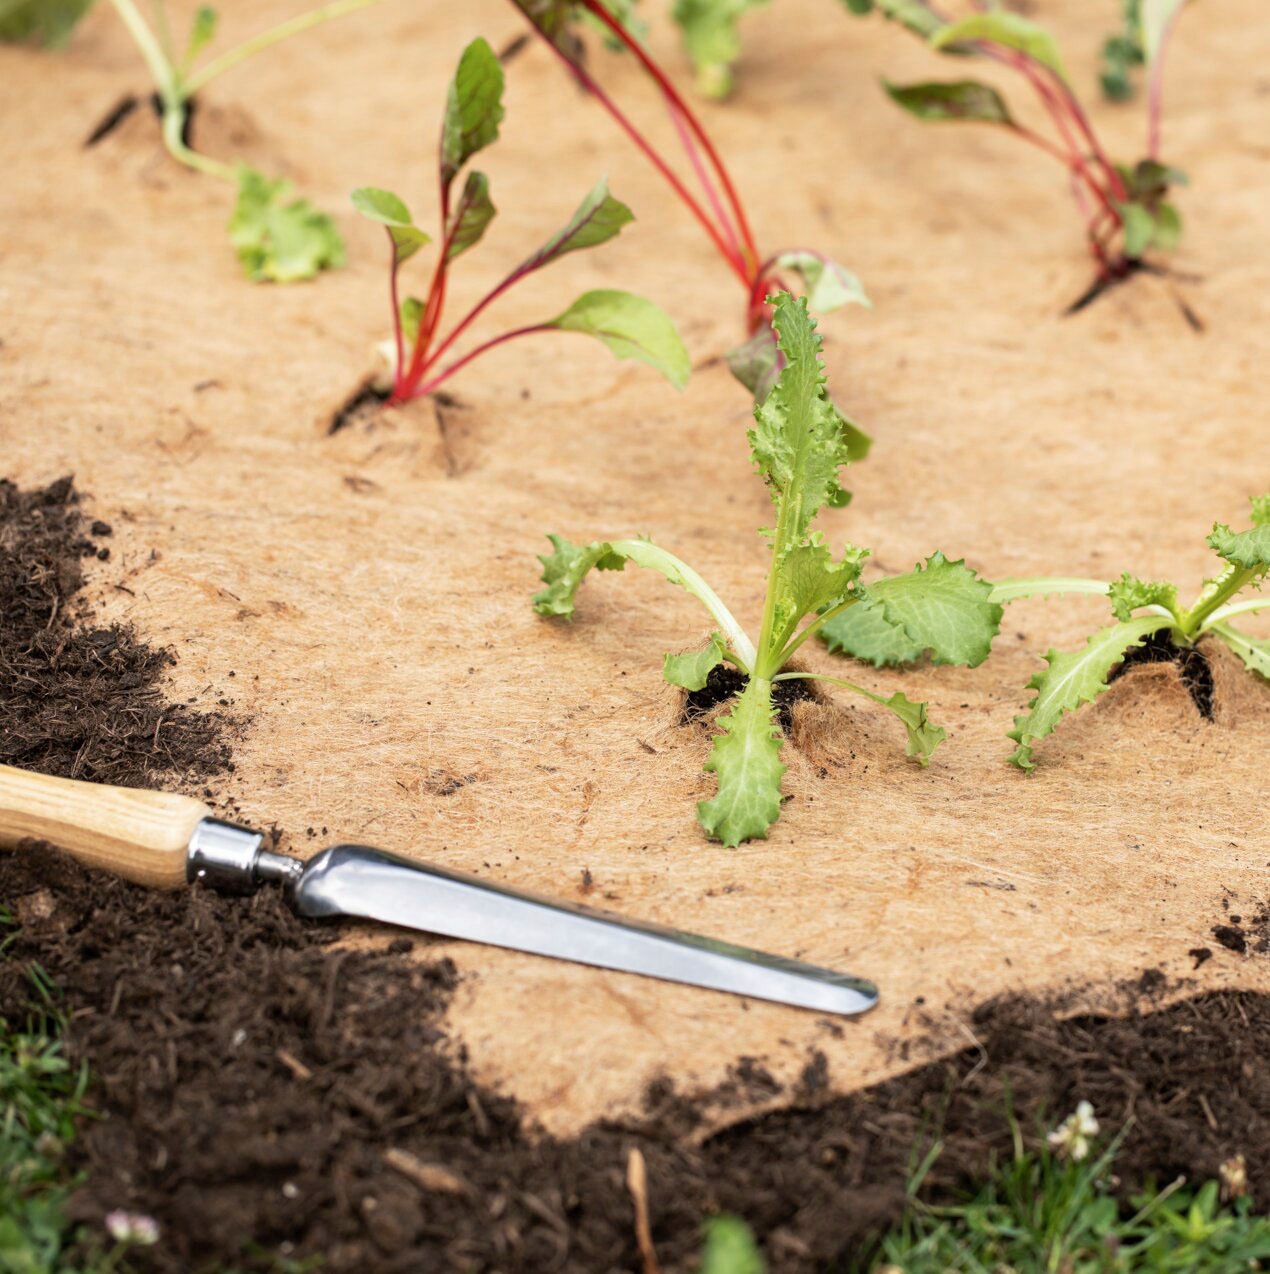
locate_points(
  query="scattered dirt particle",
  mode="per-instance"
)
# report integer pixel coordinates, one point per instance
(1232, 937)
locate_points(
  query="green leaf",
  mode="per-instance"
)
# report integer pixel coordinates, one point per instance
(909, 13)
(1129, 594)
(1261, 510)
(1157, 16)
(1255, 652)
(746, 760)
(202, 32)
(1003, 27)
(383, 206)
(692, 669)
(1139, 229)
(829, 285)
(1168, 227)
(957, 100)
(864, 633)
(708, 30)
(411, 317)
(730, 1248)
(923, 738)
(46, 22)
(942, 607)
(277, 239)
(756, 363)
(564, 569)
(1075, 678)
(597, 219)
(473, 108)
(810, 580)
(632, 328)
(1249, 549)
(469, 220)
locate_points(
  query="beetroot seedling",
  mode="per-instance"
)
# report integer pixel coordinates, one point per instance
(799, 445)
(716, 204)
(1144, 609)
(1126, 208)
(630, 326)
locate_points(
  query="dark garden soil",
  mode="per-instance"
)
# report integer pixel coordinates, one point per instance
(261, 1091)
(726, 682)
(1192, 664)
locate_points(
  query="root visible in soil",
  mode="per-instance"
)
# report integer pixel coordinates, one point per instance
(1192, 663)
(262, 1093)
(726, 682)
(77, 700)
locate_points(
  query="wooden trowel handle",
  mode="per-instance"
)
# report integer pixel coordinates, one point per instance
(141, 836)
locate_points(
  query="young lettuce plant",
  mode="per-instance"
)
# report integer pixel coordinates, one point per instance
(798, 445)
(630, 326)
(715, 205)
(1143, 609)
(1127, 209)
(278, 238)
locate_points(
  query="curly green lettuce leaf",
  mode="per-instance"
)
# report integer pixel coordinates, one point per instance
(708, 30)
(631, 327)
(473, 108)
(958, 100)
(692, 669)
(595, 220)
(391, 213)
(1129, 594)
(278, 239)
(829, 285)
(1255, 652)
(745, 758)
(923, 738)
(1249, 549)
(730, 1248)
(1260, 509)
(810, 579)
(564, 569)
(1011, 30)
(1075, 678)
(45, 22)
(471, 216)
(942, 607)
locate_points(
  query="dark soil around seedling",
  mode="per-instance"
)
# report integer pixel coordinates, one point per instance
(1192, 663)
(77, 700)
(363, 404)
(726, 682)
(264, 1093)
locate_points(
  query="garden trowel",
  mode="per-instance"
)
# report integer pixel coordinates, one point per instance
(165, 840)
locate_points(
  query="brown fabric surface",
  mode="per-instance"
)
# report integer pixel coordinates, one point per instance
(370, 591)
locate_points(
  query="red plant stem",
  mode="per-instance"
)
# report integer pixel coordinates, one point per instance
(672, 95)
(442, 376)
(1155, 90)
(703, 178)
(650, 154)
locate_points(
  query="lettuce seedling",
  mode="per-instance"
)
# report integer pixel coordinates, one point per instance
(1142, 609)
(278, 238)
(630, 326)
(1127, 209)
(716, 206)
(799, 445)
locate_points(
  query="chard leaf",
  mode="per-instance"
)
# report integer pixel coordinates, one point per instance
(597, 219)
(1139, 229)
(692, 669)
(708, 29)
(746, 760)
(960, 99)
(1129, 594)
(632, 328)
(1012, 30)
(469, 221)
(1248, 549)
(829, 285)
(564, 569)
(390, 211)
(864, 633)
(942, 607)
(757, 363)
(46, 22)
(1075, 678)
(411, 316)
(280, 240)
(1157, 15)
(473, 108)
(1253, 651)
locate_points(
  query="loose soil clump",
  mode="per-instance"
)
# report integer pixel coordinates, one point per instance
(76, 700)
(264, 1093)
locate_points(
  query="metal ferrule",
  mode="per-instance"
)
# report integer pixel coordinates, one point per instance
(229, 858)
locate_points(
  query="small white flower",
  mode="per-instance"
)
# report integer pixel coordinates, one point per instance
(132, 1227)
(1234, 1177)
(1071, 1139)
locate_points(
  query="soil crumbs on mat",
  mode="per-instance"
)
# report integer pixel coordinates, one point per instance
(265, 1094)
(77, 700)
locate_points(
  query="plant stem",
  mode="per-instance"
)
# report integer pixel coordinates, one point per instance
(173, 127)
(815, 626)
(1010, 590)
(1155, 89)
(405, 393)
(835, 681)
(249, 48)
(1223, 613)
(398, 337)
(161, 70)
(1218, 593)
